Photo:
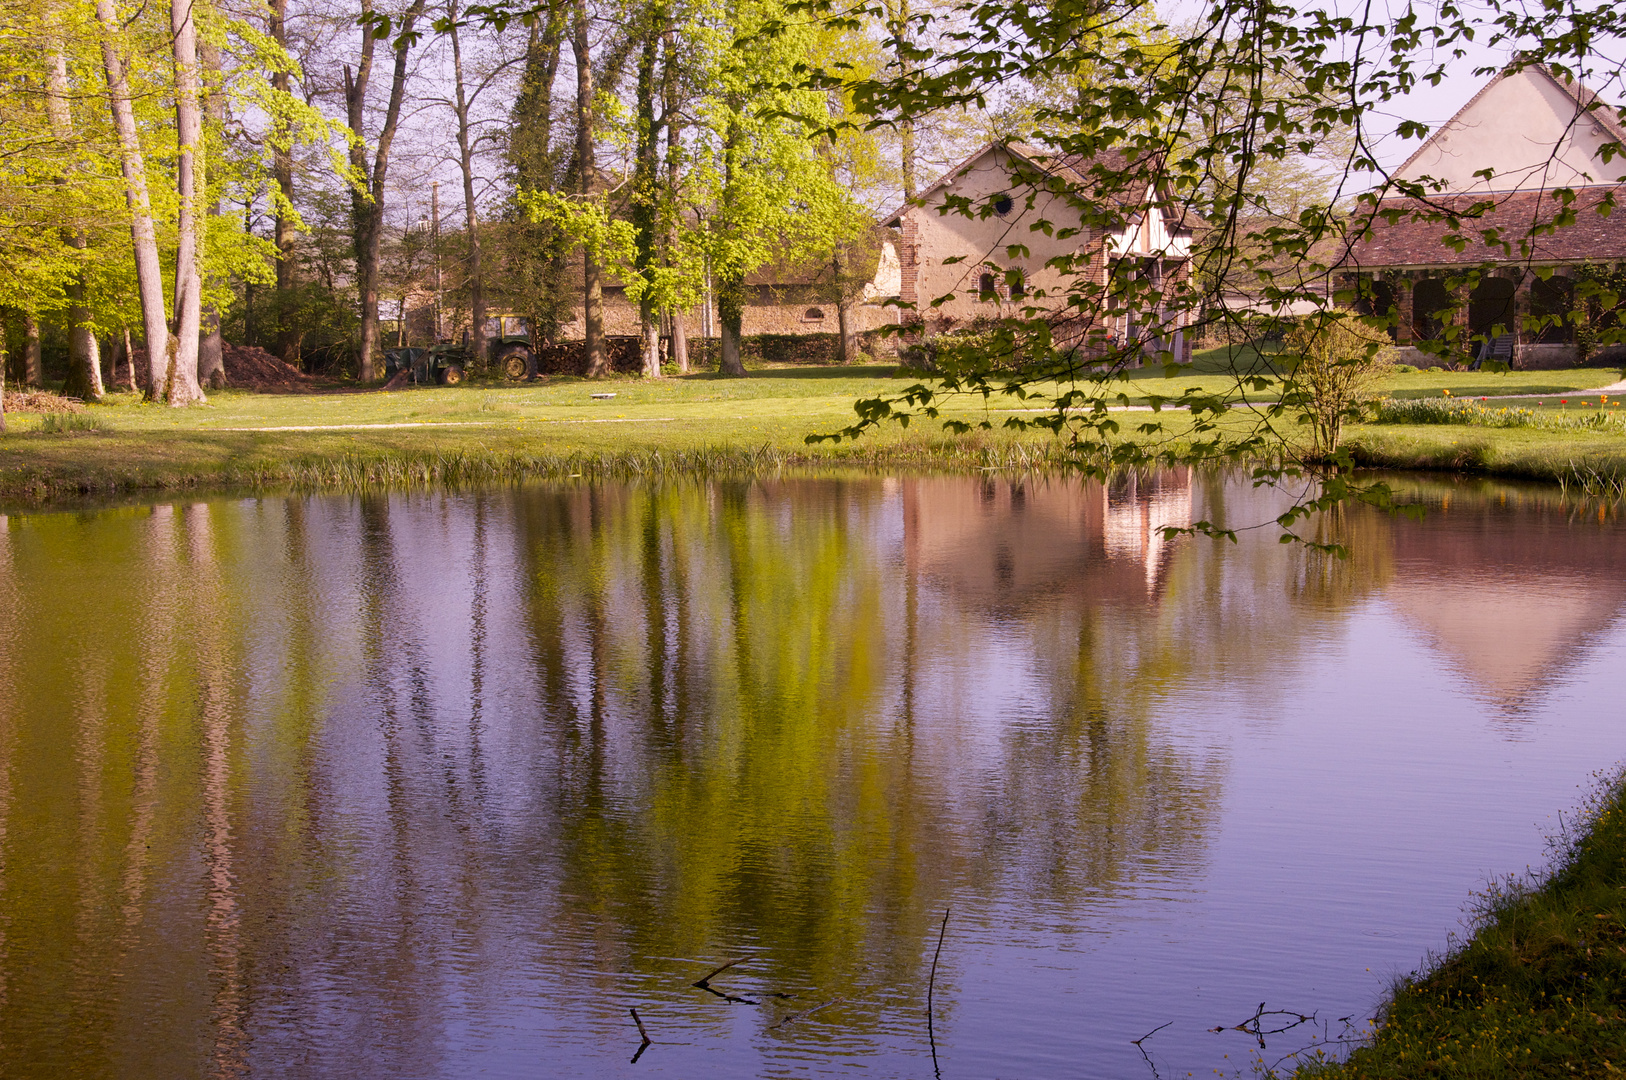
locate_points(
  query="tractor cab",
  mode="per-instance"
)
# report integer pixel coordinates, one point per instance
(508, 343)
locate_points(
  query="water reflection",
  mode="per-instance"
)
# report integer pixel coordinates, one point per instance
(424, 784)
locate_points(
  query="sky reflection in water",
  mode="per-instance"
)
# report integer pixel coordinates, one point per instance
(435, 785)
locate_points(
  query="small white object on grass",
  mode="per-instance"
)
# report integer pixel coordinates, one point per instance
(601, 397)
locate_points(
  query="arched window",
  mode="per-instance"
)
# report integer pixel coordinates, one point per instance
(986, 285)
(813, 314)
(1002, 205)
(1019, 286)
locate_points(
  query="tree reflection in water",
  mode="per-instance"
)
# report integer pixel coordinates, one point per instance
(395, 784)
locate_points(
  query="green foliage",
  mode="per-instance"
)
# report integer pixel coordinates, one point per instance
(1599, 294)
(1342, 360)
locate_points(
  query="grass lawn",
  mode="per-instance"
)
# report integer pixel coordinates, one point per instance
(488, 431)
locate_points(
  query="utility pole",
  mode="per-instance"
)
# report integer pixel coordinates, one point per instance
(434, 242)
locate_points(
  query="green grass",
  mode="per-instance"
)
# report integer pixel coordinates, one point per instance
(703, 421)
(1538, 990)
(1593, 460)
(119, 462)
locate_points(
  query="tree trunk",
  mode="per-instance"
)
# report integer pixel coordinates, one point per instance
(84, 362)
(5, 360)
(212, 347)
(181, 377)
(674, 159)
(849, 330)
(33, 366)
(471, 215)
(646, 193)
(149, 271)
(120, 349)
(731, 313)
(731, 281)
(286, 341)
(367, 197)
(84, 351)
(129, 358)
(592, 281)
(680, 343)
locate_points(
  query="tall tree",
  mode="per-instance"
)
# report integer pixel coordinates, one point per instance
(180, 373)
(674, 177)
(461, 104)
(212, 347)
(282, 175)
(84, 359)
(143, 231)
(598, 363)
(367, 187)
(534, 251)
(648, 195)
(777, 200)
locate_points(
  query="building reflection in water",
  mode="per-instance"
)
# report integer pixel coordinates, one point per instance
(1508, 585)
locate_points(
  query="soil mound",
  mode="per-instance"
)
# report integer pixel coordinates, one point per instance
(41, 401)
(248, 367)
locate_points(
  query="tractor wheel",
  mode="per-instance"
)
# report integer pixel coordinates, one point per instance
(451, 375)
(513, 363)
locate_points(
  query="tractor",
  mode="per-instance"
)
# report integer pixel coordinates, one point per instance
(444, 363)
(509, 347)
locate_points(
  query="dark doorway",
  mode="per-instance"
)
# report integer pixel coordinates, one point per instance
(1429, 300)
(1552, 300)
(1378, 298)
(1490, 308)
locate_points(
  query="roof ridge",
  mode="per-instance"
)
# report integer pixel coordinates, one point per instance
(1437, 132)
(1574, 89)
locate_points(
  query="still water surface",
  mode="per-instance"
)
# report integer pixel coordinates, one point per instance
(427, 785)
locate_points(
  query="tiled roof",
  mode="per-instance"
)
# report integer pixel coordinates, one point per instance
(1418, 238)
(1076, 171)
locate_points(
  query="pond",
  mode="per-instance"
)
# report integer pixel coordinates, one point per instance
(446, 784)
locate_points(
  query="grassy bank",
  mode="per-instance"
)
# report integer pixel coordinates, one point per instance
(629, 426)
(119, 463)
(1592, 462)
(1539, 990)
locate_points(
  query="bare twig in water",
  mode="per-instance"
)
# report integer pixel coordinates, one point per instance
(714, 972)
(1148, 1057)
(705, 984)
(791, 1018)
(642, 1034)
(1149, 1034)
(1254, 1025)
(931, 988)
(730, 998)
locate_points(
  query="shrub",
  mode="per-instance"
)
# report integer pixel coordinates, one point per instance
(1342, 359)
